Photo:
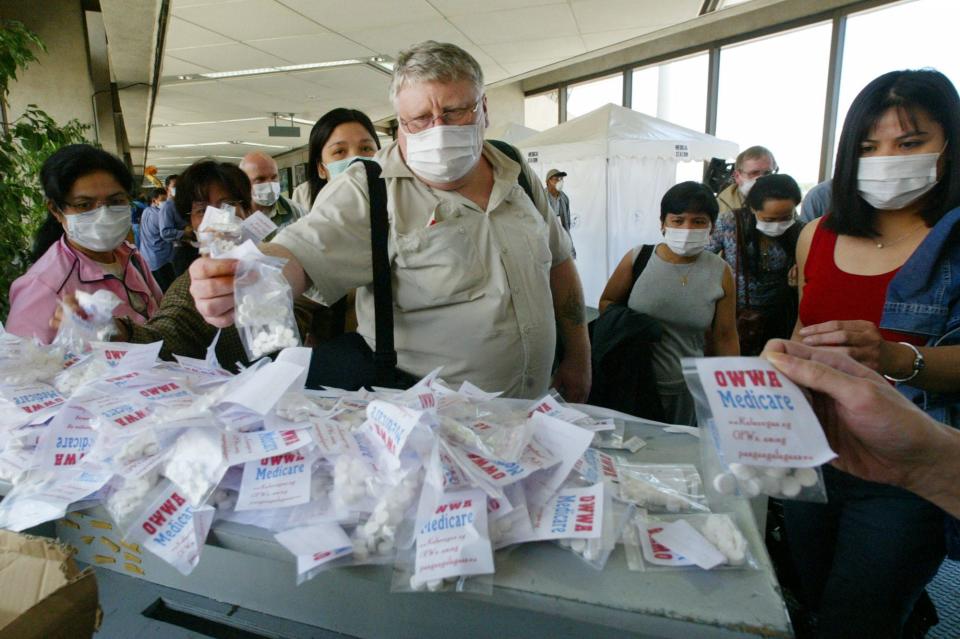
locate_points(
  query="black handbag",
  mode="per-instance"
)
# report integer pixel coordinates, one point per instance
(346, 361)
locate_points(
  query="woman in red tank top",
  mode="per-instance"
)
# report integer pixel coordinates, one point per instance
(865, 557)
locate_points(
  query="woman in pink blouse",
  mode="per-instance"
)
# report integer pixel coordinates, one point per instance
(82, 244)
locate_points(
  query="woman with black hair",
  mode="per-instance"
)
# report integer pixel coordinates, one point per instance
(688, 290)
(759, 243)
(338, 138)
(880, 280)
(82, 246)
(177, 323)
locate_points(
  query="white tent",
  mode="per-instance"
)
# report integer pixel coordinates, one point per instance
(619, 163)
(510, 132)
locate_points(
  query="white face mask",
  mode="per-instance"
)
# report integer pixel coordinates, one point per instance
(102, 229)
(559, 185)
(445, 153)
(266, 193)
(686, 242)
(891, 182)
(173, 191)
(775, 229)
(745, 187)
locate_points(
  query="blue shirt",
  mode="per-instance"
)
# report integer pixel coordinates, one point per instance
(171, 222)
(155, 250)
(817, 201)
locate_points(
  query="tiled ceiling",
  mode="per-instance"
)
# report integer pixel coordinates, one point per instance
(507, 37)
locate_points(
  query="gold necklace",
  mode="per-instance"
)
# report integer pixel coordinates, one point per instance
(881, 245)
(684, 276)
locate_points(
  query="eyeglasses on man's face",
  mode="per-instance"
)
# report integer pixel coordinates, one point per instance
(449, 117)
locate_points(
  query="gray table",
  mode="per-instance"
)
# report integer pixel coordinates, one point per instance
(540, 590)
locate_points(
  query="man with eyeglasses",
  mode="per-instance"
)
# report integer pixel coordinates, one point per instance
(483, 278)
(751, 164)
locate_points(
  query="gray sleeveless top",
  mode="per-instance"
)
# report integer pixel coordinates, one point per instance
(686, 312)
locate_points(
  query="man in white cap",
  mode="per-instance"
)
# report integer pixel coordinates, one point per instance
(559, 201)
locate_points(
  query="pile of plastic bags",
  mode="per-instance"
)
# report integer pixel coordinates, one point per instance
(431, 480)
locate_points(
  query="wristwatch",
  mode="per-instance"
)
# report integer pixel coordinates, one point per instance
(918, 364)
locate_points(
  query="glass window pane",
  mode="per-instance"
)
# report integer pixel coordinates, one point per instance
(675, 91)
(645, 90)
(909, 35)
(593, 94)
(772, 92)
(542, 111)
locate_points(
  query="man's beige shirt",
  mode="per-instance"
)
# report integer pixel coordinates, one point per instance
(471, 288)
(730, 199)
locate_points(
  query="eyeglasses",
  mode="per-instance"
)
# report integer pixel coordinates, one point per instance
(448, 117)
(85, 206)
(201, 207)
(753, 175)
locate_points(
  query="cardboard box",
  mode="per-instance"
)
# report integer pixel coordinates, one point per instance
(42, 592)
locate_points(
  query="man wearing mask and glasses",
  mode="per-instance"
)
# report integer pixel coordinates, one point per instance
(751, 165)
(267, 199)
(482, 276)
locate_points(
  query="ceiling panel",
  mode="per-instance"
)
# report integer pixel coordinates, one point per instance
(322, 47)
(353, 81)
(181, 34)
(550, 48)
(518, 25)
(173, 65)
(466, 7)
(346, 17)
(609, 15)
(230, 57)
(507, 37)
(180, 4)
(594, 41)
(248, 19)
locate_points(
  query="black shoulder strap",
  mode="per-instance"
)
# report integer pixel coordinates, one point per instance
(385, 355)
(641, 262)
(511, 152)
(286, 206)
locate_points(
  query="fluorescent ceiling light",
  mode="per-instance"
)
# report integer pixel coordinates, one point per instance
(169, 124)
(216, 75)
(187, 146)
(265, 146)
(381, 62)
(161, 147)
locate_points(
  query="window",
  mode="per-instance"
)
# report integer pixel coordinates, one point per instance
(593, 94)
(542, 111)
(674, 91)
(908, 35)
(772, 93)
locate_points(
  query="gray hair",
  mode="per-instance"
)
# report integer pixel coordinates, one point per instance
(432, 61)
(755, 153)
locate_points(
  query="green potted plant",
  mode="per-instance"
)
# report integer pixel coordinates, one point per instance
(25, 144)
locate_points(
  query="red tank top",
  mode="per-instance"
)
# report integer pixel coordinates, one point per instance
(832, 294)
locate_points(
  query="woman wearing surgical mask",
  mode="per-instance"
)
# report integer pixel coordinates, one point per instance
(338, 138)
(880, 281)
(82, 244)
(690, 291)
(759, 243)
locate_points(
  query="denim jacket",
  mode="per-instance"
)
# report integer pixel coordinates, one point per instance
(924, 298)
